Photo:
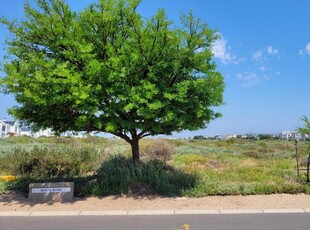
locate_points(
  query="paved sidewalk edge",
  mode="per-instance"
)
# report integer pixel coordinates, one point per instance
(151, 212)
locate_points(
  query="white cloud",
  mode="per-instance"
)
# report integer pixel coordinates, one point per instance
(308, 48)
(220, 51)
(258, 55)
(272, 51)
(261, 54)
(249, 79)
(304, 51)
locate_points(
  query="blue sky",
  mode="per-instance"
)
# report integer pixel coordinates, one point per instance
(264, 56)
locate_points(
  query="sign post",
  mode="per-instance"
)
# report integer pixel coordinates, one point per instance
(47, 192)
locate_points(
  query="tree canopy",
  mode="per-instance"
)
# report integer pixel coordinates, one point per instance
(107, 68)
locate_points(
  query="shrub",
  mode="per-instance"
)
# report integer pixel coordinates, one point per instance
(48, 162)
(159, 149)
(200, 137)
(2, 187)
(265, 137)
(120, 175)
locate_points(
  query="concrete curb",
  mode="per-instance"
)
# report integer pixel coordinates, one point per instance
(104, 213)
(150, 212)
(12, 213)
(245, 211)
(284, 210)
(196, 212)
(55, 213)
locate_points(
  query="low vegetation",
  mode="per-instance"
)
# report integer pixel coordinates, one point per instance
(195, 168)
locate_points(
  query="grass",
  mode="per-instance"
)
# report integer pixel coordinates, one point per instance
(240, 167)
(197, 168)
(3, 187)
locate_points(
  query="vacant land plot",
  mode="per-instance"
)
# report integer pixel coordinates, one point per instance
(196, 167)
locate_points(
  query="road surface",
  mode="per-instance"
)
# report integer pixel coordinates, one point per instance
(162, 222)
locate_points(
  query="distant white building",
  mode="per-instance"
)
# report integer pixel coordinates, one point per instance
(25, 131)
(287, 135)
(9, 128)
(15, 128)
(4, 127)
(300, 136)
(231, 136)
(42, 133)
(220, 137)
(293, 135)
(77, 134)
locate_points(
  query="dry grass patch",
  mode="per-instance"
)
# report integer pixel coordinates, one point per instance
(249, 163)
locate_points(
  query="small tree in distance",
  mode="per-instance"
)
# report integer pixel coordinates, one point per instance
(305, 130)
(107, 69)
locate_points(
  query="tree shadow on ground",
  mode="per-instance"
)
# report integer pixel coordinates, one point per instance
(119, 175)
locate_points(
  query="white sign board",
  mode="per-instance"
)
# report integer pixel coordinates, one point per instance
(51, 190)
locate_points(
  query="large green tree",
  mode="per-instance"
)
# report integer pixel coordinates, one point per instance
(106, 68)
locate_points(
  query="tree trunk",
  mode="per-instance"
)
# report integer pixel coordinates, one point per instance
(297, 160)
(308, 168)
(135, 149)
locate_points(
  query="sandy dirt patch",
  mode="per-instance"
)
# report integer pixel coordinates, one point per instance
(15, 202)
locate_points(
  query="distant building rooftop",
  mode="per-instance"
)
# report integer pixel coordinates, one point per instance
(25, 129)
(9, 122)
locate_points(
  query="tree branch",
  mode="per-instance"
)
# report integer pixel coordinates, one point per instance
(174, 78)
(121, 135)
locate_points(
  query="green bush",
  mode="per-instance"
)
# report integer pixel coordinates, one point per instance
(118, 174)
(3, 187)
(48, 162)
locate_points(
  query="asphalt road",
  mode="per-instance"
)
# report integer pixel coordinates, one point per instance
(166, 222)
